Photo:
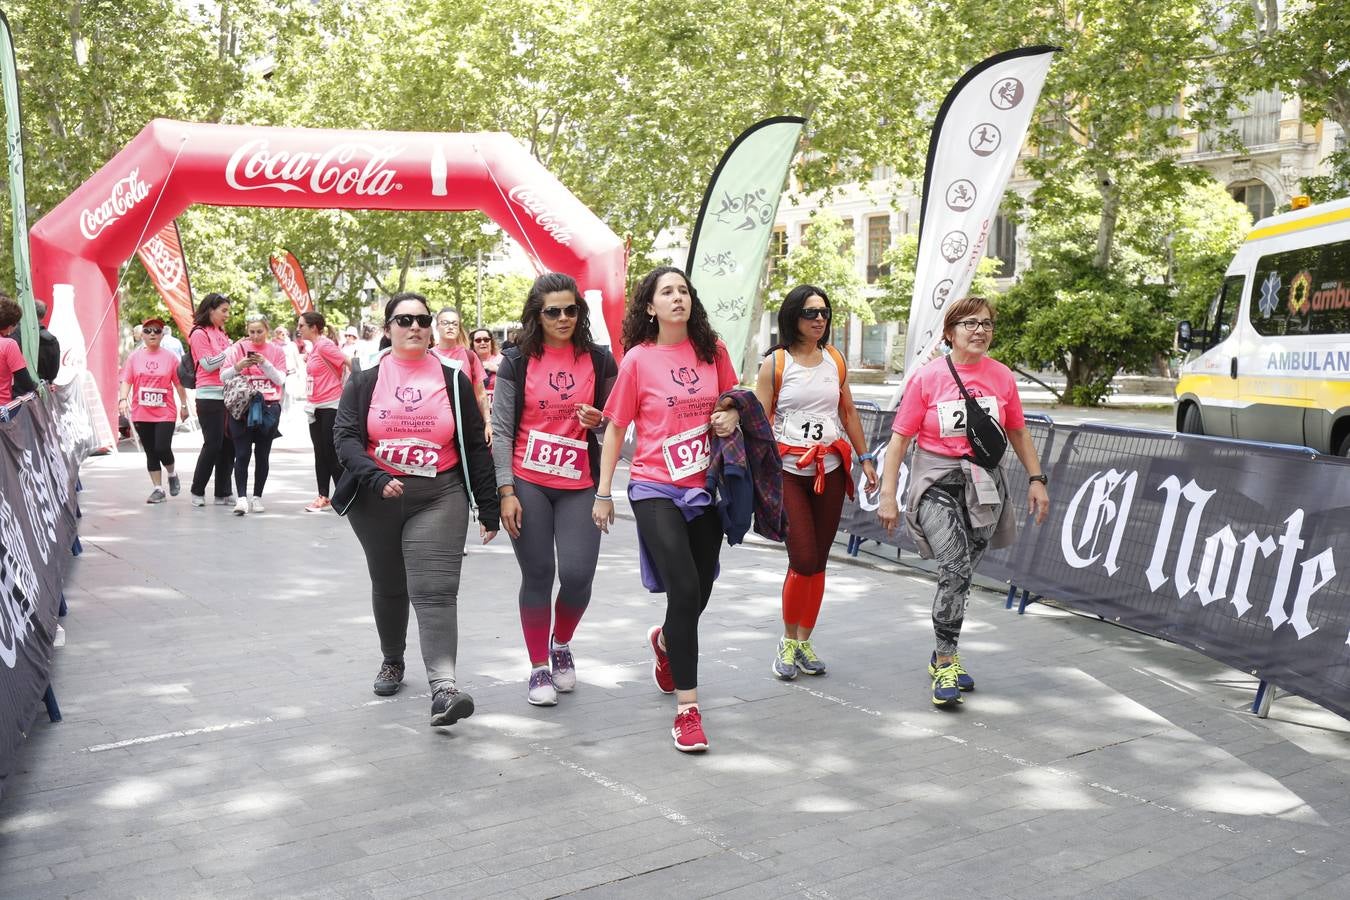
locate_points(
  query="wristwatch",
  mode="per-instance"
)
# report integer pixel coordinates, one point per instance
(1041, 478)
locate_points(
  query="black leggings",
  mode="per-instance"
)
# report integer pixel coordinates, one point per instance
(327, 469)
(217, 449)
(246, 441)
(157, 442)
(685, 556)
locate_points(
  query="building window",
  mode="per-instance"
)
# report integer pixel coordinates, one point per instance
(882, 172)
(849, 239)
(878, 242)
(1002, 245)
(1258, 198)
(777, 247)
(1254, 121)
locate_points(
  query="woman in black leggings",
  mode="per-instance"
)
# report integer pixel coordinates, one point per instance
(209, 344)
(325, 369)
(149, 381)
(674, 369)
(548, 396)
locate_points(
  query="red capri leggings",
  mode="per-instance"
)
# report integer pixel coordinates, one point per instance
(813, 520)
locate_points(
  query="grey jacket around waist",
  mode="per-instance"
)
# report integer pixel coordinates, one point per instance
(926, 468)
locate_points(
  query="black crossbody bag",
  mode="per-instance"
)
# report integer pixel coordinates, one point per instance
(988, 440)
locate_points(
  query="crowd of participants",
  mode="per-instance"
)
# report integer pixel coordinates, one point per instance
(420, 428)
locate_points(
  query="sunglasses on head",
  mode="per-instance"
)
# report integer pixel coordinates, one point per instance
(406, 320)
(152, 331)
(571, 311)
(818, 312)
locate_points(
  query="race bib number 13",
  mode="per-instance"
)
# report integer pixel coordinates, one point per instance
(952, 415)
(553, 454)
(687, 453)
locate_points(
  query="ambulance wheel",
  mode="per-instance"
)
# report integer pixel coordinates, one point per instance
(1190, 421)
(1344, 449)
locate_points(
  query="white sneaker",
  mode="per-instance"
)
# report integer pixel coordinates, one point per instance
(255, 504)
(198, 501)
(240, 506)
(542, 692)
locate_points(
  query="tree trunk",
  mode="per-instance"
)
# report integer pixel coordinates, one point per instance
(1106, 230)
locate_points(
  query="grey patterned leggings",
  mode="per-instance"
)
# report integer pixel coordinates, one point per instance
(957, 549)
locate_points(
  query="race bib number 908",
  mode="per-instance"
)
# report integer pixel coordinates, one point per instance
(952, 415)
(553, 454)
(687, 453)
(411, 456)
(151, 398)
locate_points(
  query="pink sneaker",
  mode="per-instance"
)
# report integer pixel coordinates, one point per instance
(688, 732)
(665, 682)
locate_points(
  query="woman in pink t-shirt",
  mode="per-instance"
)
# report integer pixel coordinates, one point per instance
(13, 368)
(955, 508)
(149, 382)
(209, 344)
(263, 364)
(548, 398)
(453, 347)
(673, 372)
(325, 366)
(410, 438)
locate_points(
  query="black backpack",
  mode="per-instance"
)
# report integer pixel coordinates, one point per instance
(988, 440)
(187, 369)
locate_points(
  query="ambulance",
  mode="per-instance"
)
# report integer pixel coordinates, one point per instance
(1271, 361)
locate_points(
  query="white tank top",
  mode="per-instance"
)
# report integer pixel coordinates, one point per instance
(808, 410)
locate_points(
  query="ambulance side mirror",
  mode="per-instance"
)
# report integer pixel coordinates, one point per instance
(1184, 337)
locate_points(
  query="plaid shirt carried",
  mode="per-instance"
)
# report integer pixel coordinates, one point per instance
(751, 453)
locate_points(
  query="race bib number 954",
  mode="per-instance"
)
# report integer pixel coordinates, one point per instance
(687, 453)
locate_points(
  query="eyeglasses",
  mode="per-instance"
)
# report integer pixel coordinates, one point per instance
(973, 324)
(406, 320)
(816, 312)
(152, 331)
(552, 312)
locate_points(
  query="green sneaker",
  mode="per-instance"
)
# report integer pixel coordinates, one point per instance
(785, 663)
(963, 678)
(945, 691)
(807, 661)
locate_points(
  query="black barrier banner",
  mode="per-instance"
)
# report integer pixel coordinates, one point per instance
(1238, 550)
(42, 443)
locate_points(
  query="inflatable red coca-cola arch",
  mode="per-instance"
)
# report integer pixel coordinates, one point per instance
(171, 165)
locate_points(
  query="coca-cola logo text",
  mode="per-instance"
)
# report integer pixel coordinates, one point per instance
(543, 215)
(167, 265)
(125, 194)
(343, 169)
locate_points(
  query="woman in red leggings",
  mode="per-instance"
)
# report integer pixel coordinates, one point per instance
(803, 386)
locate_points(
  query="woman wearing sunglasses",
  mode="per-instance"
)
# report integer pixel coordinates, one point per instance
(485, 348)
(956, 509)
(453, 347)
(149, 382)
(263, 365)
(674, 370)
(549, 394)
(803, 384)
(410, 439)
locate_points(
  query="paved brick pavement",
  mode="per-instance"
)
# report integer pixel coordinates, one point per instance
(221, 740)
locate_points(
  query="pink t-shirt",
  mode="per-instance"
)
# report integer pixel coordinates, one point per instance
(670, 394)
(410, 429)
(551, 446)
(152, 375)
(932, 406)
(205, 343)
(11, 361)
(323, 372)
(270, 390)
(469, 362)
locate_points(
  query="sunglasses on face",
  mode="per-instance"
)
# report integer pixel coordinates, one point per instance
(152, 331)
(553, 312)
(406, 320)
(818, 312)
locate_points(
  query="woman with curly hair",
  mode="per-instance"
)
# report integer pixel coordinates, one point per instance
(674, 370)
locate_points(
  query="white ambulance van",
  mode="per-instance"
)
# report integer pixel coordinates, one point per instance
(1271, 361)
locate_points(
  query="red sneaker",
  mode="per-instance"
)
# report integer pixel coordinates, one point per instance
(665, 681)
(688, 732)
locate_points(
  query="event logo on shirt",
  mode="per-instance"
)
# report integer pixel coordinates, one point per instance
(409, 397)
(685, 377)
(562, 381)
(152, 365)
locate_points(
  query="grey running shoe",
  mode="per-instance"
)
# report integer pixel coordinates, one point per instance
(542, 692)
(156, 496)
(449, 705)
(785, 662)
(227, 500)
(175, 485)
(807, 661)
(389, 679)
(198, 501)
(564, 669)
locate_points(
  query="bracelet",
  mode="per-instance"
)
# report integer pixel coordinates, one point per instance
(867, 457)
(608, 498)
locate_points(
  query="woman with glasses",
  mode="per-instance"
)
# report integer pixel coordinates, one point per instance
(410, 438)
(149, 382)
(673, 372)
(263, 365)
(956, 509)
(549, 396)
(210, 344)
(453, 347)
(325, 369)
(803, 385)
(485, 348)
